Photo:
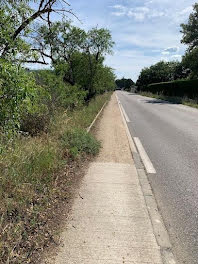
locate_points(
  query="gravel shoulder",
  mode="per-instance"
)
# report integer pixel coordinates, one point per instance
(111, 132)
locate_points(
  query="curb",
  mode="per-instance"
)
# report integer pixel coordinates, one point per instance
(159, 229)
(93, 122)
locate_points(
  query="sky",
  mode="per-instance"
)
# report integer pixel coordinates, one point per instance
(144, 31)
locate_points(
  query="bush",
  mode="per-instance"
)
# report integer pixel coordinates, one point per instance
(17, 89)
(78, 141)
(181, 88)
(62, 95)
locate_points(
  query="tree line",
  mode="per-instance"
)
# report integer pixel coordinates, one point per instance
(187, 69)
(124, 84)
(29, 34)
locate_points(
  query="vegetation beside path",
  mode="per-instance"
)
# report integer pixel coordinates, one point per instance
(36, 176)
(44, 113)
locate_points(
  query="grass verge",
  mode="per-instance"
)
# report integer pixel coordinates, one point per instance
(174, 100)
(36, 177)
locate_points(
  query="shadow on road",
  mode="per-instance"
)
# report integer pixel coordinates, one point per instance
(160, 101)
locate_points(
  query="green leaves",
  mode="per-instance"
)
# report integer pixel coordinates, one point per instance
(16, 86)
(190, 30)
(190, 38)
(79, 142)
(161, 72)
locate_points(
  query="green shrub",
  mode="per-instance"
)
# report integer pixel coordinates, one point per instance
(17, 88)
(78, 141)
(181, 88)
(62, 95)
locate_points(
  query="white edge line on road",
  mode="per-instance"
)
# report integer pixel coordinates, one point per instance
(125, 114)
(123, 111)
(131, 142)
(145, 159)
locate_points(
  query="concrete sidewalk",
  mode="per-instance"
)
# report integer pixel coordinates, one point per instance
(109, 222)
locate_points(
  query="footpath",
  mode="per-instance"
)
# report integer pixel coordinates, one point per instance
(109, 221)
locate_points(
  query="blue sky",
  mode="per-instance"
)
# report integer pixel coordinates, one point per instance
(144, 31)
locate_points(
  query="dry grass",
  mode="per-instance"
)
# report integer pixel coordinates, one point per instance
(36, 177)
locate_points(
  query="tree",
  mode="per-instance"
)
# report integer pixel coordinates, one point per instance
(161, 72)
(74, 53)
(181, 70)
(190, 60)
(76, 56)
(190, 30)
(17, 21)
(190, 37)
(124, 83)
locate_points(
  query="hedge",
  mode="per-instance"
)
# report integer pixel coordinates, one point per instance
(181, 88)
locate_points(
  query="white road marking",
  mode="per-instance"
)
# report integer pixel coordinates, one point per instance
(145, 159)
(117, 98)
(131, 142)
(125, 114)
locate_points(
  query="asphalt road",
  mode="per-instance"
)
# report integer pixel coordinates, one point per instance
(169, 134)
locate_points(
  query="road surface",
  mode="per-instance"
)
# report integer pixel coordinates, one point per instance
(169, 134)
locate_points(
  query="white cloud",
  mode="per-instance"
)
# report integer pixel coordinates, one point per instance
(176, 57)
(148, 39)
(165, 52)
(186, 10)
(181, 15)
(120, 7)
(138, 13)
(164, 59)
(117, 13)
(170, 50)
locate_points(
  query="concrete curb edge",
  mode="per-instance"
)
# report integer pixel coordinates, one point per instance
(98, 114)
(159, 229)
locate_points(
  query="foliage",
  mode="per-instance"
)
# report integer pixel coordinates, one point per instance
(190, 38)
(18, 21)
(104, 80)
(161, 72)
(181, 88)
(124, 83)
(62, 95)
(17, 94)
(190, 30)
(77, 59)
(75, 54)
(79, 141)
(31, 182)
(44, 113)
(190, 60)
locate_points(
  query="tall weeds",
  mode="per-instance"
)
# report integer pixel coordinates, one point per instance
(34, 174)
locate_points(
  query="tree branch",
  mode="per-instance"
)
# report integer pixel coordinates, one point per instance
(32, 61)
